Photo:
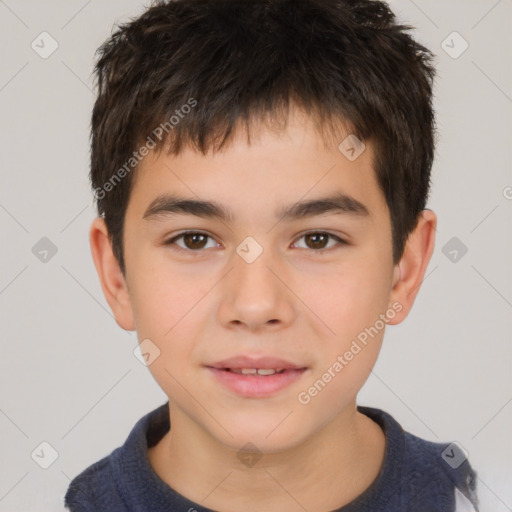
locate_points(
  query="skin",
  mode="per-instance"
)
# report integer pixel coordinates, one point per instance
(292, 302)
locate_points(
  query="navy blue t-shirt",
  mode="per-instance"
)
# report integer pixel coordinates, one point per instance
(416, 475)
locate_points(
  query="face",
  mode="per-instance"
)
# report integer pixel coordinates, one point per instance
(266, 275)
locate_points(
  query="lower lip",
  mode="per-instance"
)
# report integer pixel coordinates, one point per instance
(256, 386)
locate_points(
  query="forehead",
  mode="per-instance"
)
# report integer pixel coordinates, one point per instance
(273, 168)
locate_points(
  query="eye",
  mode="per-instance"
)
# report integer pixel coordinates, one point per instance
(317, 240)
(193, 241)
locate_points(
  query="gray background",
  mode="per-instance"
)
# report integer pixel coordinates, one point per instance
(68, 373)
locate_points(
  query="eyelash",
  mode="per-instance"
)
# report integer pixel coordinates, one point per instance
(172, 241)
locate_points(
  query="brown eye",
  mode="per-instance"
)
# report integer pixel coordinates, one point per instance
(192, 241)
(318, 240)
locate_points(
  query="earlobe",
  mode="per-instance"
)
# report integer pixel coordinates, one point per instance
(113, 282)
(410, 271)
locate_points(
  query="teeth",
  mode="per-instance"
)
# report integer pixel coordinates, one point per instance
(266, 372)
(248, 371)
(254, 371)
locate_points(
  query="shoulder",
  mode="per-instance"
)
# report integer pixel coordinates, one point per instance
(441, 468)
(117, 482)
(94, 488)
(425, 475)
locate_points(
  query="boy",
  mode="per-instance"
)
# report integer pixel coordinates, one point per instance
(261, 170)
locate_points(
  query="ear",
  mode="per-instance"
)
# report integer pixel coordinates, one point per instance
(410, 270)
(113, 282)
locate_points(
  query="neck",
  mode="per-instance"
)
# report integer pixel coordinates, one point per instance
(325, 472)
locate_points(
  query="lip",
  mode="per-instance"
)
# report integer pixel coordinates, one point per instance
(256, 386)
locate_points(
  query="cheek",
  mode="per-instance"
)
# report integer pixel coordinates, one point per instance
(169, 297)
(350, 303)
(336, 385)
(166, 308)
(163, 299)
(350, 300)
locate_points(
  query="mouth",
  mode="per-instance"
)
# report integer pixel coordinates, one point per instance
(256, 377)
(254, 371)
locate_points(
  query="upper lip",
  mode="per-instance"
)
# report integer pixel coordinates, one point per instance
(267, 363)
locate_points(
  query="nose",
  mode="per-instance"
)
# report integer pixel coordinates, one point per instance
(256, 295)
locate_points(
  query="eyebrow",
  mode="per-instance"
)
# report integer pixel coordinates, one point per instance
(168, 205)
